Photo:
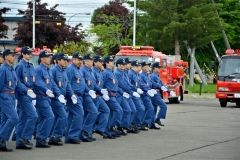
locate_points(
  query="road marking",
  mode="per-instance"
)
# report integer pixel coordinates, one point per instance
(197, 148)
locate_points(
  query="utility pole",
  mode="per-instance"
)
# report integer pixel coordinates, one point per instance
(33, 24)
(134, 22)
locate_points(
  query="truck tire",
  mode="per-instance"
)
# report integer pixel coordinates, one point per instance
(175, 100)
(238, 104)
(181, 94)
(223, 103)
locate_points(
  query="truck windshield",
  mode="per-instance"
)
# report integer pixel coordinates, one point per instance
(229, 66)
(138, 58)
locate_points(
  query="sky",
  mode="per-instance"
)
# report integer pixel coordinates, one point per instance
(77, 11)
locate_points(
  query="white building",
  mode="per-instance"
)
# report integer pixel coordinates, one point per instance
(9, 42)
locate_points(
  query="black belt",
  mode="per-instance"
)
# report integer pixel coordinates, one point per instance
(8, 92)
(112, 94)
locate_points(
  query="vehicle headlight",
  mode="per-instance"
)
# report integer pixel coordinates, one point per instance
(223, 89)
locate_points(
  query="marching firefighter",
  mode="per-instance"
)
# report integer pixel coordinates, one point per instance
(8, 84)
(146, 86)
(156, 99)
(61, 80)
(46, 90)
(25, 95)
(102, 126)
(75, 107)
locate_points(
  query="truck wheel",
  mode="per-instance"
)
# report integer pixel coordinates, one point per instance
(181, 94)
(175, 100)
(223, 103)
(238, 104)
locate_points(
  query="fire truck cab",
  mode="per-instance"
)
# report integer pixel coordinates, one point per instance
(228, 78)
(172, 72)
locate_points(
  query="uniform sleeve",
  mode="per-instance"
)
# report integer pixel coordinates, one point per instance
(123, 84)
(156, 83)
(2, 79)
(21, 87)
(84, 77)
(40, 84)
(143, 83)
(55, 88)
(69, 91)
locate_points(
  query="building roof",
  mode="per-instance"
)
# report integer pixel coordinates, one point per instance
(13, 19)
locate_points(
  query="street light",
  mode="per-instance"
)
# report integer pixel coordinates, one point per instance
(134, 22)
(33, 25)
(75, 15)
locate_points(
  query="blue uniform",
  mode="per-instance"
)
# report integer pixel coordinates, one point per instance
(145, 85)
(27, 112)
(61, 80)
(135, 81)
(124, 102)
(8, 83)
(103, 109)
(76, 113)
(111, 84)
(157, 100)
(44, 82)
(90, 109)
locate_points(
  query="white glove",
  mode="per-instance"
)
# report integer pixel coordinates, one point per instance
(172, 94)
(30, 93)
(104, 91)
(154, 91)
(62, 99)
(126, 95)
(164, 88)
(140, 91)
(106, 97)
(49, 93)
(92, 93)
(34, 102)
(135, 94)
(74, 99)
(150, 93)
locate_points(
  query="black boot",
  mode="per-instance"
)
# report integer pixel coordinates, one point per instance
(3, 147)
(40, 143)
(55, 141)
(24, 144)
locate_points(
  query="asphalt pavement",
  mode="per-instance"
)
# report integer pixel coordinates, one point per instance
(196, 129)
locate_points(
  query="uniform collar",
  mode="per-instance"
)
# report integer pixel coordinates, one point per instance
(8, 66)
(44, 66)
(86, 67)
(109, 69)
(75, 66)
(27, 64)
(96, 69)
(59, 68)
(154, 73)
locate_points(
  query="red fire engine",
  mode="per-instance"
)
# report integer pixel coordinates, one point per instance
(172, 72)
(228, 78)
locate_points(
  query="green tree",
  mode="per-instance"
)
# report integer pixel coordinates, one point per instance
(3, 27)
(230, 20)
(72, 47)
(111, 23)
(51, 29)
